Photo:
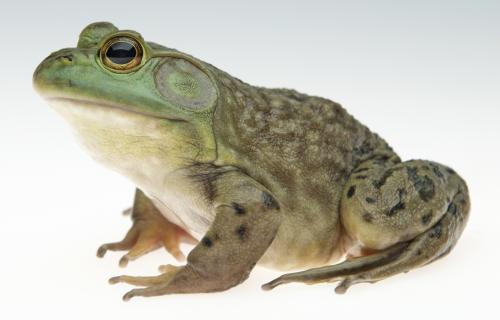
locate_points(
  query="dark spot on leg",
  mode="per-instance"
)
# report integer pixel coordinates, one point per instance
(436, 231)
(368, 217)
(207, 242)
(452, 208)
(379, 183)
(241, 231)
(369, 200)
(424, 185)
(419, 252)
(426, 189)
(361, 177)
(401, 193)
(412, 174)
(361, 170)
(426, 218)
(437, 171)
(268, 201)
(398, 207)
(351, 191)
(238, 209)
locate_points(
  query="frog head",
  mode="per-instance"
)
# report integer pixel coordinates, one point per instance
(129, 99)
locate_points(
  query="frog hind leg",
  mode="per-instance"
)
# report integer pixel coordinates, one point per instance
(411, 213)
(150, 230)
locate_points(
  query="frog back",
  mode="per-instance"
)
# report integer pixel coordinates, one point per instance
(290, 140)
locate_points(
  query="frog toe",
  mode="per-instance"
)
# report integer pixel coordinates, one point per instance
(146, 292)
(150, 231)
(145, 237)
(146, 242)
(146, 281)
(128, 241)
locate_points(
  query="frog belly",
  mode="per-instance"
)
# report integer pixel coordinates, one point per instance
(184, 215)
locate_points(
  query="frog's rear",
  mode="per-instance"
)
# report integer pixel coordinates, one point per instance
(257, 175)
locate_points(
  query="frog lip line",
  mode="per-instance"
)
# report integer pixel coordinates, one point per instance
(110, 106)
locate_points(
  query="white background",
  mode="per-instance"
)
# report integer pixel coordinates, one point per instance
(425, 75)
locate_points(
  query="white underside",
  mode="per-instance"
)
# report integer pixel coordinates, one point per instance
(125, 142)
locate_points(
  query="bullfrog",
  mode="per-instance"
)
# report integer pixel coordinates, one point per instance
(248, 175)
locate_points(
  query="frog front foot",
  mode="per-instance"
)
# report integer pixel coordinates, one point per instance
(150, 230)
(247, 218)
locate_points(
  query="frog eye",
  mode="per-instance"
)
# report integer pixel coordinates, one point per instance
(121, 54)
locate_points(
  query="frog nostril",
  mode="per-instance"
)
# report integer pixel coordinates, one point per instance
(68, 57)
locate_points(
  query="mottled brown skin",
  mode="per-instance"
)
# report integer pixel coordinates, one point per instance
(295, 145)
(257, 175)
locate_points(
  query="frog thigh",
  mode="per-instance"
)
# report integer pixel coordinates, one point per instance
(412, 213)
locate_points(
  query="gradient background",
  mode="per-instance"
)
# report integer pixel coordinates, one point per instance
(425, 75)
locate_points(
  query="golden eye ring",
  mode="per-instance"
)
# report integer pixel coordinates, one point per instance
(121, 54)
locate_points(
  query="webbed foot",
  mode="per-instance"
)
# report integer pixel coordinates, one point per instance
(150, 230)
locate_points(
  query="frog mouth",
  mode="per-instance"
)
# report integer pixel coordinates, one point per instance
(89, 104)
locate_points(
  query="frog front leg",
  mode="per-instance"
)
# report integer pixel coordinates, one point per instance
(407, 214)
(150, 230)
(247, 218)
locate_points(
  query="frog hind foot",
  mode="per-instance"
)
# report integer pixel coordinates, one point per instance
(150, 230)
(340, 271)
(435, 242)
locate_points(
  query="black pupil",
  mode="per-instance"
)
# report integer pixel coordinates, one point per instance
(121, 52)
